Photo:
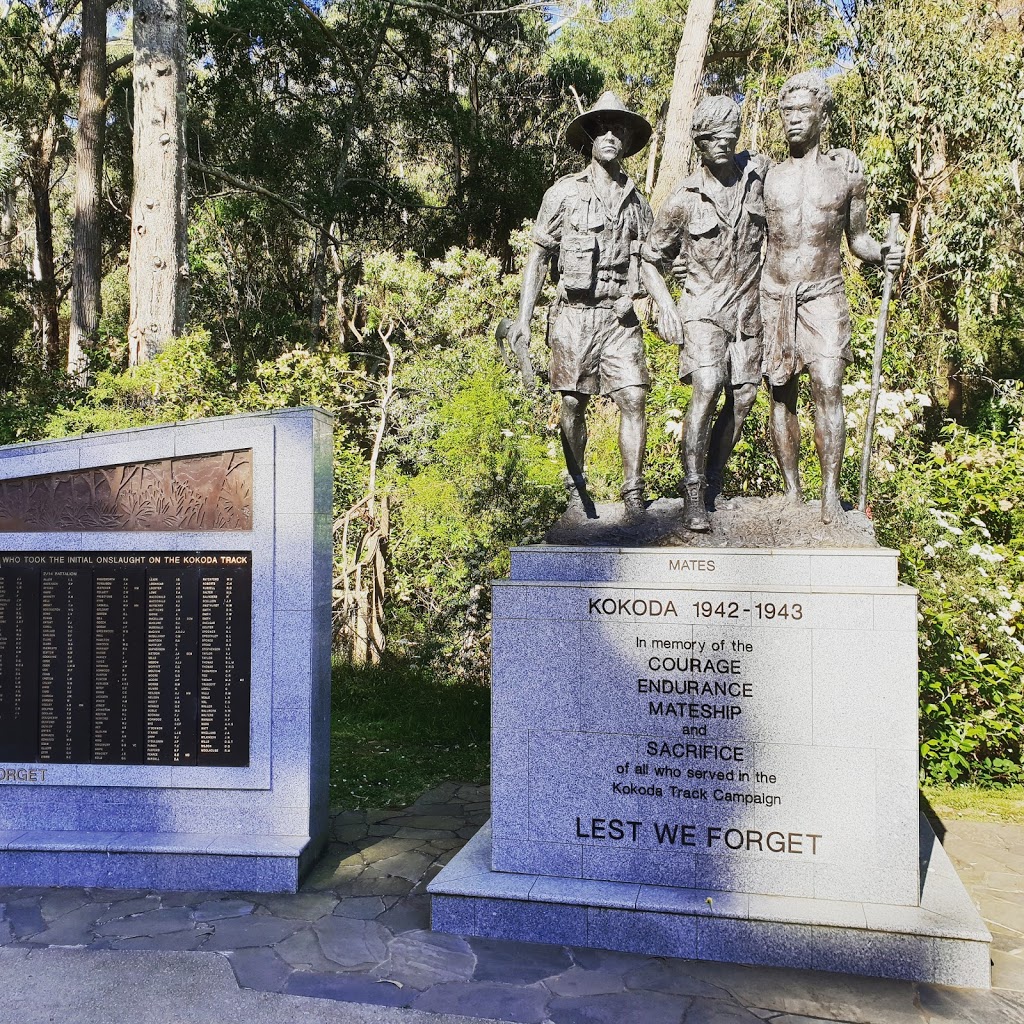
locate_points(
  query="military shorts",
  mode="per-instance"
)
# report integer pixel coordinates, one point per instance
(593, 352)
(706, 344)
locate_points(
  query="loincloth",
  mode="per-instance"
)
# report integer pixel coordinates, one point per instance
(803, 323)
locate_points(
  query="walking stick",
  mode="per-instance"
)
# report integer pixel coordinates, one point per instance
(876, 368)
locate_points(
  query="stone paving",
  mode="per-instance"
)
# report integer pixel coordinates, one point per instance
(358, 931)
(989, 857)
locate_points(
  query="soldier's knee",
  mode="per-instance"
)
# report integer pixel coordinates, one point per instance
(631, 401)
(708, 381)
(572, 403)
(743, 396)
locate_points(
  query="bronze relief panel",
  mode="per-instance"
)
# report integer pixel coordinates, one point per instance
(196, 492)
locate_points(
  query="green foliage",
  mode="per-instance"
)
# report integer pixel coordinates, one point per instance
(469, 455)
(974, 803)
(398, 729)
(936, 110)
(183, 382)
(28, 391)
(631, 47)
(957, 517)
(10, 155)
(189, 380)
(116, 303)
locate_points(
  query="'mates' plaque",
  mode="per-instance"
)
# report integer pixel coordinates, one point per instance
(125, 657)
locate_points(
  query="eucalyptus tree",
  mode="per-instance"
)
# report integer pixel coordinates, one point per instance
(38, 57)
(935, 103)
(158, 262)
(359, 125)
(88, 243)
(95, 78)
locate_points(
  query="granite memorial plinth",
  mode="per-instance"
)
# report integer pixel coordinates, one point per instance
(165, 601)
(712, 753)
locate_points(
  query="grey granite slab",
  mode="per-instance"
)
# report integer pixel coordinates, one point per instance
(764, 567)
(944, 941)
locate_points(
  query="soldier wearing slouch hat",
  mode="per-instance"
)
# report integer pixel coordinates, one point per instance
(589, 231)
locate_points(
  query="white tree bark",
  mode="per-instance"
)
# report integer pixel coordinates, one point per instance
(686, 81)
(158, 267)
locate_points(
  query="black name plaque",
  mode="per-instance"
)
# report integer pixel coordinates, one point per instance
(137, 657)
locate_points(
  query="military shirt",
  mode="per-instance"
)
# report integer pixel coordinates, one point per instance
(593, 244)
(713, 239)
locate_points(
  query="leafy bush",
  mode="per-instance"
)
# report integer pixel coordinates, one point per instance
(957, 517)
(471, 456)
(189, 380)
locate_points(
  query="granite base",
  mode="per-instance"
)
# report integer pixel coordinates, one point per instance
(941, 941)
(166, 861)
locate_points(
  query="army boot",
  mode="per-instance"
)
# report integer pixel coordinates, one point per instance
(695, 515)
(634, 504)
(712, 491)
(579, 504)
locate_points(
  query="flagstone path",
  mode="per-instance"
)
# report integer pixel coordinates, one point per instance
(358, 931)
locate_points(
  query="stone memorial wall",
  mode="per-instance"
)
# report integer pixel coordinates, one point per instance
(165, 602)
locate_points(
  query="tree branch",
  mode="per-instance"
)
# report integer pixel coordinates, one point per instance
(258, 190)
(720, 56)
(121, 62)
(419, 5)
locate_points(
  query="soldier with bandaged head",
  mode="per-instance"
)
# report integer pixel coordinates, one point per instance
(710, 232)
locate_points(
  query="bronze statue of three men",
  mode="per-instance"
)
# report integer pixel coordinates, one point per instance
(756, 249)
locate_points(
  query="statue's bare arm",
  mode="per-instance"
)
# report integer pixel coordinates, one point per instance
(534, 274)
(862, 245)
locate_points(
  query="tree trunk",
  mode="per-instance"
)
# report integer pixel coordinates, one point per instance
(318, 299)
(652, 159)
(87, 268)
(686, 79)
(158, 267)
(8, 228)
(954, 391)
(45, 268)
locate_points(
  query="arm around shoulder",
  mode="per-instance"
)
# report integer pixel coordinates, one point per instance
(665, 237)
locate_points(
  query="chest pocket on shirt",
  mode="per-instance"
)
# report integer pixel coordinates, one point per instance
(703, 223)
(577, 262)
(615, 251)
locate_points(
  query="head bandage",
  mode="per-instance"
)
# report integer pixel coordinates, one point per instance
(716, 114)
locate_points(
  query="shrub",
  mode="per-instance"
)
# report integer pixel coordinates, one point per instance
(958, 519)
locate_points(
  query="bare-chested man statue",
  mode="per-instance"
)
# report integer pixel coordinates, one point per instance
(810, 202)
